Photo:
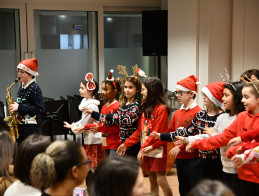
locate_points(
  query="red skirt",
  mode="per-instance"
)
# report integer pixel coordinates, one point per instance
(154, 164)
(95, 153)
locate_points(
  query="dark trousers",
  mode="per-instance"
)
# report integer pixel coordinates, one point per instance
(133, 150)
(188, 173)
(232, 181)
(211, 169)
(248, 188)
(26, 130)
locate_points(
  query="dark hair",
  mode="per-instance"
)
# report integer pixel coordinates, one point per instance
(53, 166)
(255, 87)
(115, 176)
(136, 81)
(249, 73)
(211, 188)
(117, 83)
(6, 154)
(156, 96)
(236, 90)
(3, 125)
(29, 148)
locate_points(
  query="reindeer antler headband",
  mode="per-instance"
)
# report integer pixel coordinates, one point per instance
(250, 81)
(227, 79)
(123, 70)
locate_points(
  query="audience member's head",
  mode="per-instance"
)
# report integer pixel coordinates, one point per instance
(63, 162)
(211, 188)
(252, 74)
(3, 125)
(6, 155)
(117, 176)
(28, 149)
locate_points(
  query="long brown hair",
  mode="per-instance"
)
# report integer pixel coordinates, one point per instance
(6, 154)
(136, 81)
(156, 96)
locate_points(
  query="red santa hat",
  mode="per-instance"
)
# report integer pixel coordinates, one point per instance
(30, 66)
(109, 76)
(188, 84)
(214, 91)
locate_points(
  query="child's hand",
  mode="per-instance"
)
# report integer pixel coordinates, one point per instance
(147, 150)
(87, 110)
(209, 131)
(103, 121)
(189, 148)
(155, 135)
(76, 129)
(67, 125)
(174, 151)
(238, 161)
(181, 140)
(140, 156)
(121, 150)
(93, 129)
(14, 107)
(235, 141)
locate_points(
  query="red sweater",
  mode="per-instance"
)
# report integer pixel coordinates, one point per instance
(113, 138)
(158, 122)
(244, 121)
(248, 137)
(182, 118)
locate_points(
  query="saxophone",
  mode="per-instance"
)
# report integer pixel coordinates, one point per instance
(12, 115)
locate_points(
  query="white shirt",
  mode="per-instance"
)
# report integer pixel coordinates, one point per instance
(19, 188)
(89, 138)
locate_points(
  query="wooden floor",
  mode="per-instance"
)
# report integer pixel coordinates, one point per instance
(173, 181)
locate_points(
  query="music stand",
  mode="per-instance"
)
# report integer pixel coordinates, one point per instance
(56, 112)
(74, 113)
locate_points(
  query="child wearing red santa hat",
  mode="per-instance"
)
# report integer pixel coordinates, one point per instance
(29, 105)
(210, 163)
(187, 164)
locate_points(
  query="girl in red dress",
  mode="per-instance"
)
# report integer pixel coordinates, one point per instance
(153, 152)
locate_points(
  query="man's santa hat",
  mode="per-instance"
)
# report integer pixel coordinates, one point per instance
(188, 84)
(30, 66)
(214, 91)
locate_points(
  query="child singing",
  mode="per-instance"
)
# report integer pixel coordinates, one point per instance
(210, 163)
(245, 121)
(232, 103)
(92, 141)
(127, 115)
(153, 153)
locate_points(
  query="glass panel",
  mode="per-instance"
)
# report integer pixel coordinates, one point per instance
(123, 43)
(9, 50)
(66, 49)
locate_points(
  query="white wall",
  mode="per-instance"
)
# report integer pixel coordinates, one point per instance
(182, 40)
(206, 36)
(245, 46)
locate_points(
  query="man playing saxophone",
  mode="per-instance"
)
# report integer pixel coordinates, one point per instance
(29, 105)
